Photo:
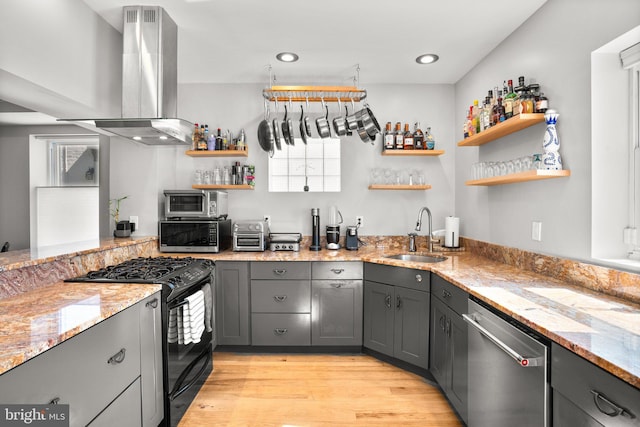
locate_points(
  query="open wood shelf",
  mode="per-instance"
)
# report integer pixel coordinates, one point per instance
(514, 124)
(412, 152)
(222, 187)
(531, 175)
(314, 93)
(399, 187)
(218, 153)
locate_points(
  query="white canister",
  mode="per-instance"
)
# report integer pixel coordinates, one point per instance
(452, 232)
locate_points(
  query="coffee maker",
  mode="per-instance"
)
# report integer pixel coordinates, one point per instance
(333, 228)
(351, 241)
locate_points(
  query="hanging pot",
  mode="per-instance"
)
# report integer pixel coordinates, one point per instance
(303, 132)
(276, 129)
(322, 123)
(285, 127)
(265, 131)
(307, 122)
(339, 123)
(352, 120)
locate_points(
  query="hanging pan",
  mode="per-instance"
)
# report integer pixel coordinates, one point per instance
(265, 131)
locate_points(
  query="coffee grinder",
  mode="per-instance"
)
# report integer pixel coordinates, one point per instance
(333, 228)
(315, 222)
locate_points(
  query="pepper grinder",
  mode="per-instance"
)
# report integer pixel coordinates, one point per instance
(315, 221)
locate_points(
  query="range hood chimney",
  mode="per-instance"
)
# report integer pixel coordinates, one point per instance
(149, 80)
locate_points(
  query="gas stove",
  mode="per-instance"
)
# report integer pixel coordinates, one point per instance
(175, 273)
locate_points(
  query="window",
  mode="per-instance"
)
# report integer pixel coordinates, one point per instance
(73, 161)
(315, 164)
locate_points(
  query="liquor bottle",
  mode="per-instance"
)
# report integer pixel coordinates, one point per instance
(429, 140)
(476, 116)
(542, 104)
(408, 138)
(520, 106)
(495, 113)
(399, 137)
(418, 137)
(508, 101)
(219, 140)
(468, 128)
(194, 137)
(501, 114)
(202, 143)
(389, 141)
(486, 118)
(205, 138)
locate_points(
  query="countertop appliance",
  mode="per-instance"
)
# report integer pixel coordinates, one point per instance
(201, 204)
(185, 367)
(333, 228)
(207, 236)
(285, 241)
(315, 224)
(250, 235)
(507, 371)
(351, 241)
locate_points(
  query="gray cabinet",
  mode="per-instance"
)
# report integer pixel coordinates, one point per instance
(151, 368)
(448, 346)
(336, 303)
(396, 312)
(586, 395)
(280, 303)
(123, 411)
(232, 303)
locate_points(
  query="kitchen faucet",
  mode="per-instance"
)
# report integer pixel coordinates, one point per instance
(412, 247)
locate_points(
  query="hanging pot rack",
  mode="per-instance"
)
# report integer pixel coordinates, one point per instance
(314, 93)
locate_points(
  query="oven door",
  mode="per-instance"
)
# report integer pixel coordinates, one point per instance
(188, 365)
(185, 204)
(188, 236)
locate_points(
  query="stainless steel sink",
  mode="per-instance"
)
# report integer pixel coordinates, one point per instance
(418, 258)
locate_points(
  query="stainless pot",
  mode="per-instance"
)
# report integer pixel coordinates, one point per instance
(307, 122)
(322, 123)
(339, 123)
(371, 125)
(352, 120)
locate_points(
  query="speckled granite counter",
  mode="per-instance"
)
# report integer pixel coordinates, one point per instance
(33, 322)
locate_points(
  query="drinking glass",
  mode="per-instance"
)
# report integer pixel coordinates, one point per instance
(527, 163)
(197, 177)
(511, 168)
(502, 168)
(217, 179)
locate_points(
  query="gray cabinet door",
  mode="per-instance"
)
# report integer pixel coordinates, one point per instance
(440, 366)
(336, 312)
(151, 361)
(411, 337)
(458, 356)
(232, 303)
(378, 317)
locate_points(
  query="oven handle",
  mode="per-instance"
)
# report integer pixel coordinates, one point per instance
(178, 389)
(180, 304)
(523, 361)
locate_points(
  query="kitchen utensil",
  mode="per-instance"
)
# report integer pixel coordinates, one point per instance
(276, 129)
(285, 127)
(322, 122)
(364, 136)
(307, 121)
(290, 126)
(352, 120)
(339, 124)
(346, 120)
(303, 132)
(265, 131)
(371, 125)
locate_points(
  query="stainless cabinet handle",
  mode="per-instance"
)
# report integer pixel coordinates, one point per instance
(280, 298)
(337, 285)
(418, 277)
(280, 331)
(280, 272)
(337, 270)
(398, 301)
(446, 294)
(617, 409)
(54, 401)
(441, 322)
(523, 361)
(153, 303)
(448, 328)
(387, 301)
(117, 358)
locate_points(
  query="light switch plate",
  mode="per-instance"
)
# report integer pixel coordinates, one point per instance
(536, 231)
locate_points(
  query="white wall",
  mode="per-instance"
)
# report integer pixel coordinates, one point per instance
(553, 47)
(143, 172)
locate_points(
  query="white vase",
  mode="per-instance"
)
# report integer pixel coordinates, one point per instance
(551, 159)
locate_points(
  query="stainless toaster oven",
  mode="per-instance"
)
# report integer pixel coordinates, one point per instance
(250, 236)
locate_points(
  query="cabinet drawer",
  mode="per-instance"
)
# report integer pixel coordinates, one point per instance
(77, 371)
(449, 293)
(280, 329)
(280, 296)
(590, 387)
(124, 411)
(398, 276)
(336, 270)
(270, 270)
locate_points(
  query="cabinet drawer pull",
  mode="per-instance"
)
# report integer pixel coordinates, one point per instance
(398, 302)
(446, 294)
(338, 270)
(617, 409)
(337, 285)
(280, 331)
(117, 358)
(418, 277)
(54, 401)
(387, 301)
(153, 303)
(280, 272)
(441, 322)
(280, 298)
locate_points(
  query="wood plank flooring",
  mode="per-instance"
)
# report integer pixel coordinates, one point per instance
(288, 390)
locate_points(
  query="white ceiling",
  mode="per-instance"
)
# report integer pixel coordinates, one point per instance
(234, 41)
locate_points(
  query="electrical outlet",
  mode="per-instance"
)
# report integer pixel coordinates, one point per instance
(134, 220)
(359, 221)
(267, 219)
(536, 231)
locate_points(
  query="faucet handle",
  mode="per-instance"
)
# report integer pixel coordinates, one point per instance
(412, 234)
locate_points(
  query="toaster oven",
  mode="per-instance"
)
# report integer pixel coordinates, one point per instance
(250, 236)
(199, 204)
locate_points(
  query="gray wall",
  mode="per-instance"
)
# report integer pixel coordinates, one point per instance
(143, 172)
(553, 47)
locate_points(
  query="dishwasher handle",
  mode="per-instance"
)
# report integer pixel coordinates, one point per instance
(523, 361)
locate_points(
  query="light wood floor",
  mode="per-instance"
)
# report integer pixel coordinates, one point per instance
(315, 390)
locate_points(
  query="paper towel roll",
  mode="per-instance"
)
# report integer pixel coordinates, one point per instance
(452, 232)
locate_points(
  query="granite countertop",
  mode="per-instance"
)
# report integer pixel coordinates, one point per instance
(35, 321)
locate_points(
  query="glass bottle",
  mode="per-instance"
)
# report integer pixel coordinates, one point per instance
(408, 138)
(202, 142)
(476, 116)
(418, 137)
(219, 140)
(389, 142)
(194, 137)
(508, 100)
(501, 113)
(429, 140)
(542, 104)
(399, 137)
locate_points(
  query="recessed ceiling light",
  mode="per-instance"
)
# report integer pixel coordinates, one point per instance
(137, 138)
(427, 58)
(287, 57)
(163, 137)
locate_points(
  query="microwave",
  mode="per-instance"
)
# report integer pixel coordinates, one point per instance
(210, 204)
(195, 235)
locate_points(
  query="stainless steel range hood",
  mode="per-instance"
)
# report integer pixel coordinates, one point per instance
(149, 81)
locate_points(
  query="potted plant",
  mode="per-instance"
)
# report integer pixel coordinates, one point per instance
(123, 228)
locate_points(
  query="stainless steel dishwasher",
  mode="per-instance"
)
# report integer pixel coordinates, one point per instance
(507, 372)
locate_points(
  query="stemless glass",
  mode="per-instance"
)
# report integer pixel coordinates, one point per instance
(502, 168)
(511, 167)
(527, 163)
(197, 177)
